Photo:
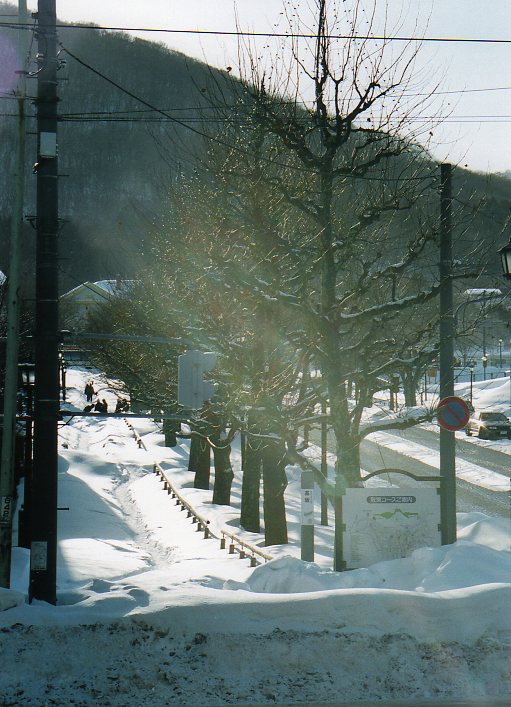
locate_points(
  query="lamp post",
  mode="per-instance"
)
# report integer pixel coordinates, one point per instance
(500, 353)
(471, 383)
(485, 363)
(505, 259)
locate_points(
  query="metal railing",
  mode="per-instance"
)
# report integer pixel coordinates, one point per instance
(236, 544)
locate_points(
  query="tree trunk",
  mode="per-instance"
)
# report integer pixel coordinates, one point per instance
(410, 390)
(223, 473)
(193, 459)
(202, 472)
(410, 384)
(170, 429)
(274, 484)
(250, 490)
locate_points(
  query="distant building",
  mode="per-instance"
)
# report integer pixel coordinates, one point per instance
(78, 303)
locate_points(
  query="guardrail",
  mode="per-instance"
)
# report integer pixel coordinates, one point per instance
(236, 543)
(138, 438)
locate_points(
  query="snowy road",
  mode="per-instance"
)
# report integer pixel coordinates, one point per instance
(482, 471)
(470, 497)
(492, 455)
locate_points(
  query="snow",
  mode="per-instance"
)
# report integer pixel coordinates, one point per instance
(151, 613)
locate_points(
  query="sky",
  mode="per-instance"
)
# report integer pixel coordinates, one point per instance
(150, 612)
(473, 78)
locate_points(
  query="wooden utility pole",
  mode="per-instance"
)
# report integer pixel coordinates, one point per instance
(43, 547)
(7, 480)
(447, 438)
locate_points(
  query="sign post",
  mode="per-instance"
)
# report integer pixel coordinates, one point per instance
(452, 414)
(307, 529)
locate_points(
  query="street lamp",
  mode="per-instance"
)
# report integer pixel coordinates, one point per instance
(500, 353)
(471, 383)
(505, 258)
(485, 363)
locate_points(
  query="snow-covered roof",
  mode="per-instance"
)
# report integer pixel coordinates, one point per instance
(115, 287)
(483, 292)
(102, 289)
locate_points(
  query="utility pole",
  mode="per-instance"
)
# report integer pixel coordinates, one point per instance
(43, 547)
(13, 297)
(447, 438)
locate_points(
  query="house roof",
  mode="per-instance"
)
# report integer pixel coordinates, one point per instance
(96, 291)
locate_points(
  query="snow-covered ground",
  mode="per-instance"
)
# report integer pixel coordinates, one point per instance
(151, 613)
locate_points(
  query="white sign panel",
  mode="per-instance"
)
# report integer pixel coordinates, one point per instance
(384, 525)
(307, 515)
(39, 555)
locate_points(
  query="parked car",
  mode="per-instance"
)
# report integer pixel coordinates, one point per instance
(488, 424)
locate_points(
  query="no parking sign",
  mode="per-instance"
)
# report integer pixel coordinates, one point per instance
(452, 413)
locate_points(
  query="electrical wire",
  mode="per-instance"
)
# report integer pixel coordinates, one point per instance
(217, 140)
(274, 35)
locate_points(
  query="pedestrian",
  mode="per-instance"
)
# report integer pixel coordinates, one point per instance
(89, 391)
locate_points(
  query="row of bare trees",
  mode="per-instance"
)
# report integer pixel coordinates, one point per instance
(302, 249)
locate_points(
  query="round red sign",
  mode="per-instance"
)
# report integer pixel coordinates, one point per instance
(452, 413)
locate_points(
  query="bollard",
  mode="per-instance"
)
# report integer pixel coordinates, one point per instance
(206, 532)
(222, 543)
(253, 561)
(242, 554)
(231, 549)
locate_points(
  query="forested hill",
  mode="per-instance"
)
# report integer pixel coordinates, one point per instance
(118, 158)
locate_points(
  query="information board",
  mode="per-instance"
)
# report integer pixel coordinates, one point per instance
(382, 524)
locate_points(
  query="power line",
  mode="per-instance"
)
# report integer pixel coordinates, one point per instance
(104, 118)
(457, 92)
(270, 35)
(495, 119)
(219, 141)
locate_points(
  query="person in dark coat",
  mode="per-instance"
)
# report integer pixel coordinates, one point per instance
(89, 391)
